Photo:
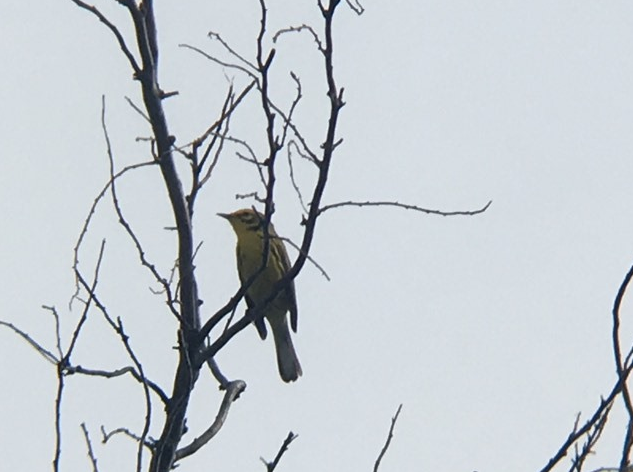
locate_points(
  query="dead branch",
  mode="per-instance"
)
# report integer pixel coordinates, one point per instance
(405, 206)
(233, 391)
(91, 454)
(389, 437)
(106, 436)
(109, 374)
(117, 34)
(621, 368)
(270, 466)
(45, 353)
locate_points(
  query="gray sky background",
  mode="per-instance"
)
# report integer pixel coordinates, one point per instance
(494, 331)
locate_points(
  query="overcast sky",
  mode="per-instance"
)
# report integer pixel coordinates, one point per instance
(493, 330)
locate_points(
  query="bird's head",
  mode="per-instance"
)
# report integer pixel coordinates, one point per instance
(245, 221)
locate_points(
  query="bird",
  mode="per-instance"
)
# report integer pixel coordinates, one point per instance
(248, 225)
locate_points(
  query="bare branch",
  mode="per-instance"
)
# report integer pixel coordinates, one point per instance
(108, 374)
(218, 61)
(91, 212)
(356, 6)
(91, 455)
(621, 368)
(45, 353)
(270, 466)
(298, 29)
(119, 37)
(117, 326)
(602, 410)
(406, 206)
(591, 440)
(137, 109)
(106, 436)
(233, 391)
(58, 418)
(389, 437)
(292, 176)
(309, 154)
(123, 222)
(308, 257)
(212, 35)
(84, 315)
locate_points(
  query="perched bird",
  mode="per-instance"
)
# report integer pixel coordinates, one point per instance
(248, 225)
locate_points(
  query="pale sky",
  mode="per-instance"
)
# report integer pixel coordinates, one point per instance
(494, 331)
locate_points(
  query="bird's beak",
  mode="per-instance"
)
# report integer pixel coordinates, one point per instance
(225, 216)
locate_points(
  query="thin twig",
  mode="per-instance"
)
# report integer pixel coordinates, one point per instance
(108, 374)
(126, 225)
(106, 436)
(91, 212)
(405, 206)
(119, 37)
(620, 367)
(45, 353)
(389, 437)
(591, 440)
(137, 109)
(117, 326)
(270, 466)
(218, 61)
(91, 454)
(58, 418)
(298, 29)
(292, 175)
(84, 314)
(576, 434)
(308, 257)
(213, 35)
(233, 391)
(356, 6)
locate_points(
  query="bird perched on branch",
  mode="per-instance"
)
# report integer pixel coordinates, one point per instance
(248, 225)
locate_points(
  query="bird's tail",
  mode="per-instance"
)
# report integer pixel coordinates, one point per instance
(287, 361)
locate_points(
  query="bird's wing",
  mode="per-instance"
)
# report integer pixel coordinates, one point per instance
(259, 324)
(289, 291)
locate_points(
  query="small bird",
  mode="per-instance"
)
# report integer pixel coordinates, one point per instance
(248, 225)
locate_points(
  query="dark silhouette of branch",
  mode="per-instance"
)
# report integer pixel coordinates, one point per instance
(117, 326)
(299, 29)
(591, 440)
(233, 391)
(45, 353)
(621, 368)
(213, 35)
(91, 454)
(109, 374)
(119, 37)
(218, 61)
(171, 302)
(64, 361)
(406, 206)
(93, 208)
(292, 144)
(389, 437)
(146, 73)
(601, 413)
(125, 432)
(576, 434)
(270, 466)
(84, 315)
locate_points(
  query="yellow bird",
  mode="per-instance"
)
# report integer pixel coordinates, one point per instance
(248, 226)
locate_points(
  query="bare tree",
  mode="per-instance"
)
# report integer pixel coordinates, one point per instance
(583, 439)
(201, 338)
